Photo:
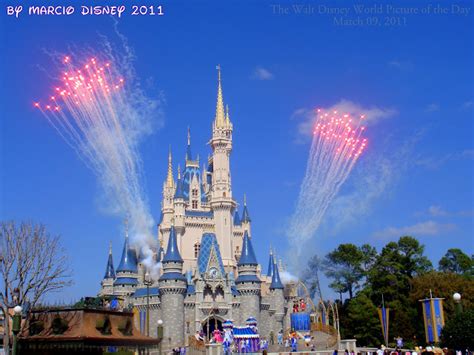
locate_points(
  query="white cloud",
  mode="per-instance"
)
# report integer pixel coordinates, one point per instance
(433, 107)
(467, 105)
(261, 73)
(437, 211)
(307, 117)
(375, 178)
(437, 162)
(419, 229)
(400, 64)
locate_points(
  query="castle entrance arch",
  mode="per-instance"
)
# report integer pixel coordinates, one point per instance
(210, 324)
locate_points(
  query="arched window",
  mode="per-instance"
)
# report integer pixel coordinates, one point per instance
(197, 247)
(194, 193)
(194, 204)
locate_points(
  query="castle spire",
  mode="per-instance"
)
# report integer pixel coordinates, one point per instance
(276, 281)
(220, 120)
(189, 155)
(271, 264)
(109, 270)
(169, 177)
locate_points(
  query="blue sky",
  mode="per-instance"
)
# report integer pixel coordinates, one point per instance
(416, 176)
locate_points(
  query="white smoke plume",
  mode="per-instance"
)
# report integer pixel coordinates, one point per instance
(337, 144)
(102, 112)
(287, 277)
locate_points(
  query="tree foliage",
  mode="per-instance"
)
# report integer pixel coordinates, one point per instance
(346, 265)
(458, 332)
(457, 262)
(402, 275)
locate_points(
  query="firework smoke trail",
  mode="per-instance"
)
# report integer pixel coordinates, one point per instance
(93, 111)
(337, 144)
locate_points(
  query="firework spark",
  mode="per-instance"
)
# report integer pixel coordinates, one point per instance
(337, 144)
(93, 111)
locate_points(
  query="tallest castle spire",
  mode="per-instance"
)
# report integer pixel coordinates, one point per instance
(220, 119)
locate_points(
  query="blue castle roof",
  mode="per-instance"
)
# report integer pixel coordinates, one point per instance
(179, 189)
(245, 214)
(125, 281)
(271, 264)
(209, 243)
(172, 252)
(237, 221)
(142, 292)
(276, 281)
(128, 262)
(189, 173)
(248, 255)
(109, 270)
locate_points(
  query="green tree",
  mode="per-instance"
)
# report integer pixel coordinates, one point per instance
(395, 266)
(363, 321)
(457, 262)
(442, 285)
(344, 265)
(458, 332)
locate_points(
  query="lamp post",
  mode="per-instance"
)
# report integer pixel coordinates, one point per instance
(160, 334)
(457, 301)
(16, 327)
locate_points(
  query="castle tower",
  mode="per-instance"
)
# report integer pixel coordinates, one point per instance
(222, 203)
(248, 283)
(179, 209)
(172, 285)
(108, 281)
(127, 272)
(278, 297)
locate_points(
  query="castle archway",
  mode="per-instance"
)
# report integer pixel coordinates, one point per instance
(210, 324)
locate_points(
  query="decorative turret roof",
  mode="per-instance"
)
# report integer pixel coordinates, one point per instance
(172, 252)
(220, 119)
(245, 212)
(109, 270)
(248, 255)
(276, 281)
(179, 189)
(237, 221)
(128, 262)
(271, 264)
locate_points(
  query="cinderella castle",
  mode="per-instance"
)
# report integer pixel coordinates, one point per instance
(209, 272)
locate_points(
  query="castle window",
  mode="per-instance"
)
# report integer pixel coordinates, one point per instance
(197, 247)
(194, 192)
(194, 204)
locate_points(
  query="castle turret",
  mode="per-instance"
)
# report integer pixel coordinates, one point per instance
(127, 272)
(172, 285)
(222, 203)
(248, 283)
(278, 298)
(108, 280)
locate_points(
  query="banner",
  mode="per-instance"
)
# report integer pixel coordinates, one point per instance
(384, 321)
(433, 317)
